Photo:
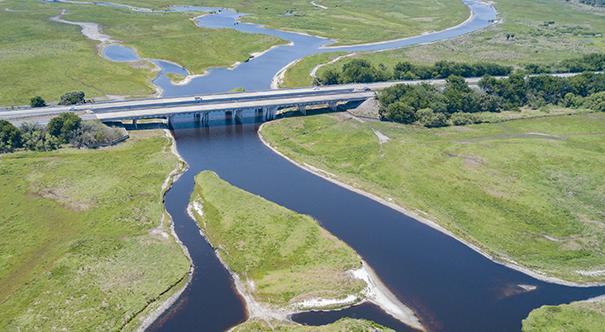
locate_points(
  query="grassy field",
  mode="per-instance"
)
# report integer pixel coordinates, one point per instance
(576, 30)
(40, 57)
(528, 191)
(282, 257)
(81, 246)
(342, 325)
(174, 37)
(575, 317)
(347, 21)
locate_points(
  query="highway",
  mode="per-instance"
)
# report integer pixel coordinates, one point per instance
(165, 107)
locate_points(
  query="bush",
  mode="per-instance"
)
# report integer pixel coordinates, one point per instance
(430, 119)
(64, 126)
(93, 134)
(10, 137)
(37, 138)
(400, 112)
(37, 101)
(461, 119)
(595, 102)
(72, 98)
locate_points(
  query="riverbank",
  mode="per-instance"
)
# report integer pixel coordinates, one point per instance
(82, 229)
(586, 315)
(286, 280)
(392, 200)
(532, 40)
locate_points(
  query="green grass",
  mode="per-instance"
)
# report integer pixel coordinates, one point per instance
(287, 256)
(76, 251)
(570, 36)
(348, 21)
(342, 325)
(174, 37)
(40, 57)
(527, 190)
(574, 317)
(299, 74)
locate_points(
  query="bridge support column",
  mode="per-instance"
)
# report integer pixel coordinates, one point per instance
(229, 115)
(302, 109)
(333, 106)
(134, 123)
(169, 121)
(206, 119)
(197, 117)
(238, 116)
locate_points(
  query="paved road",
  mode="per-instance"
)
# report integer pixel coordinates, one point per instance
(226, 101)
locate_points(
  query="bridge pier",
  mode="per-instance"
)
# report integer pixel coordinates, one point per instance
(238, 117)
(169, 121)
(302, 109)
(229, 115)
(333, 106)
(134, 123)
(197, 117)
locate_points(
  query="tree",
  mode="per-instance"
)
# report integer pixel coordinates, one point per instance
(37, 101)
(329, 77)
(64, 126)
(72, 98)
(400, 112)
(36, 138)
(430, 119)
(10, 137)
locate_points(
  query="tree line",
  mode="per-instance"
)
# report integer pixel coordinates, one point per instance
(457, 103)
(362, 71)
(66, 128)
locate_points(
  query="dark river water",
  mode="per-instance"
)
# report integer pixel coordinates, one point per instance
(448, 285)
(451, 287)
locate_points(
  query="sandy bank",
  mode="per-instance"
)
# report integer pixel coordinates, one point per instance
(425, 220)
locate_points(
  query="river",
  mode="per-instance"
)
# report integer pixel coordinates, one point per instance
(448, 285)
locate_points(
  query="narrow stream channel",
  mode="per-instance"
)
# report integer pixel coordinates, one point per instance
(448, 285)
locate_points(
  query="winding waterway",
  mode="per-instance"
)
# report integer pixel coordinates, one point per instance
(448, 285)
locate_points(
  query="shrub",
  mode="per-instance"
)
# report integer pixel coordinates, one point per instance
(595, 102)
(10, 137)
(430, 119)
(461, 119)
(72, 98)
(37, 101)
(93, 134)
(64, 126)
(37, 138)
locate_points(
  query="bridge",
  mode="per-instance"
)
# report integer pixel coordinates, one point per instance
(232, 104)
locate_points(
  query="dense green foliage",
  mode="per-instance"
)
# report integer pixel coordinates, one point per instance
(72, 98)
(62, 129)
(10, 137)
(432, 107)
(64, 126)
(587, 316)
(37, 101)
(528, 191)
(83, 245)
(287, 256)
(37, 138)
(362, 71)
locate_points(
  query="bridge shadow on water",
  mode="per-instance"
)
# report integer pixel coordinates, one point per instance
(448, 285)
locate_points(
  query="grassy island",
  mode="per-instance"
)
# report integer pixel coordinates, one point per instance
(526, 191)
(86, 244)
(281, 257)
